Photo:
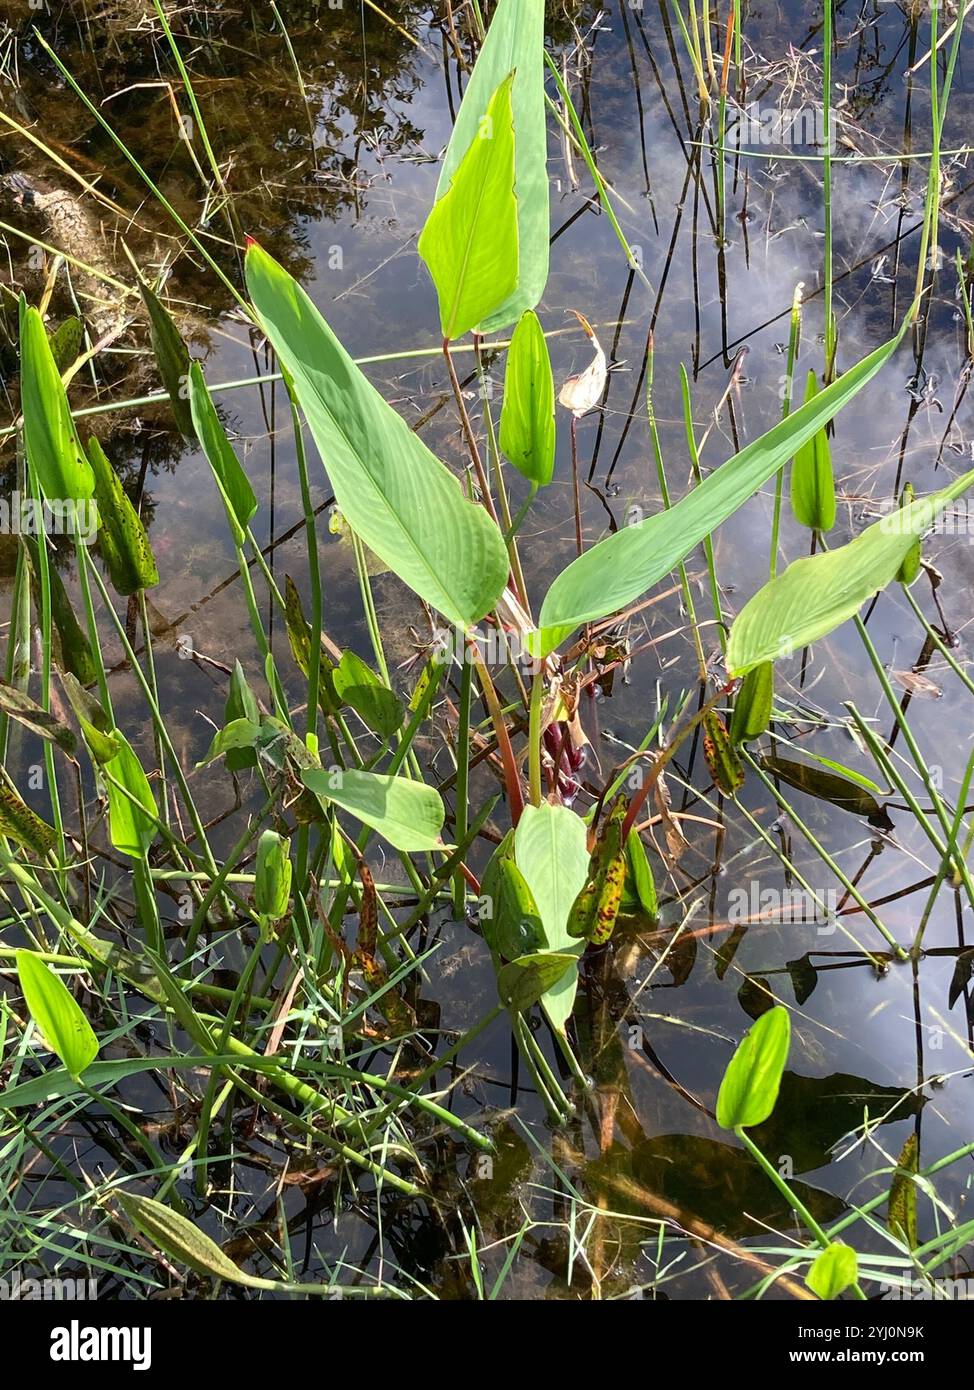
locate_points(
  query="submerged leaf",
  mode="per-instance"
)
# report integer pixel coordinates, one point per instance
(902, 1207)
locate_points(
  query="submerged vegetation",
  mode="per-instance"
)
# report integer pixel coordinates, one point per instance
(330, 966)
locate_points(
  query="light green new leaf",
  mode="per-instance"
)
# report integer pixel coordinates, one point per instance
(180, 1238)
(514, 43)
(551, 851)
(408, 814)
(622, 567)
(272, 883)
(238, 495)
(54, 453)
(751, 1082)
(816, 594)
(56, 1013)
(172, 358)
(469, 242)
(835, 1269)
(131, 822)
(122, 537)
(395, 495)
(527, 434)
(812, 482)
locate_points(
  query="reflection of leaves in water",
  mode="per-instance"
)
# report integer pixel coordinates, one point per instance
(720, 1184)
(814, 1112)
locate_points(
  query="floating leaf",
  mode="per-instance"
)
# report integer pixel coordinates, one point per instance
(527, 431)
(172, 358)
(514, 43)
(834, 787)
(834, 1271)
(817, 593)
(469, 243)
(396, 496)
(408, 814)
(812, 482)
(122, 537)
(613, 574)
(57, 1014)
(963, 970)
(749, 1089)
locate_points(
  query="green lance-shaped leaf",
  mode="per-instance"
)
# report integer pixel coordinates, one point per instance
(593, 913)
(750, 1086)
(834, 1270)
(527, 433)
(640, 876)
(550, 847)
(812, 481)
(720, 755)
(241, 703)
(623, 566)
(54, 453)
(272, 886)
(182, 1240)
(57, 1014)
(514, 43)
(408, 814)
(752, 704)
(233, 483)
(395, 495)
(19, 823)
(910, 567)
(357, 686)
(122, 537)
(132, 818)
(172, 358)
(816, 594)
(529, 978)
(470, 242)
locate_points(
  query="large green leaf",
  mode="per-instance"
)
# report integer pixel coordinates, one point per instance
(469, 242)
(622, 567)
(749, 1089)
(394, 494)
(816, 594)
(56, 1013)
(122, 536)
(527, 434)
(238, 495)
(54, 452)
(514, 43)
(408, 814)
(550, 847)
